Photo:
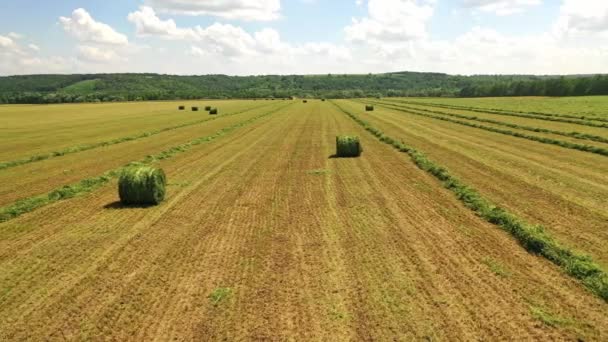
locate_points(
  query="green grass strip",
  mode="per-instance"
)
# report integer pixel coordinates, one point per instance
(576, 135)
(565, 144)
(508, 113)
(30, 204)
(81, 148)
(533, 238)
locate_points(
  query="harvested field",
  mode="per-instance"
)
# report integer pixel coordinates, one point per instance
(264, 236)
(521, 121)
(589, 106)
(563, 189)
(40, 177)
(38, 129)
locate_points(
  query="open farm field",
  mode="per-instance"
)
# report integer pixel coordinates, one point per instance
(32, 130)
(592, 107)
(266, 235)
(561, 188)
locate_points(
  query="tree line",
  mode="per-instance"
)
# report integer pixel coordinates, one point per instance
(42, 89)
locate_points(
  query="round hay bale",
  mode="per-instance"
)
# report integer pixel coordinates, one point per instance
(195, 109)
(348, 146)
(207, 108)
(304, 101)
(213, 111)
(369, 108)
(142, 185)
(181, 107)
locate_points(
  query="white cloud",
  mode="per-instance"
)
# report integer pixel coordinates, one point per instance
(250, 10)
(582, 17)
(392, 21)
(82, 26)
(7, 43)
(15, 35)
(501, 7)
(225, 39)
(34, 47)
(96, 55)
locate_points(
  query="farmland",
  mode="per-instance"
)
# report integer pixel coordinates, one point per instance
(264, 234)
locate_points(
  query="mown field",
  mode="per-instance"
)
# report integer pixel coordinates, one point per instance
(265, 235)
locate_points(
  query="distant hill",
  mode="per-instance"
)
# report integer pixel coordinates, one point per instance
(134, 87)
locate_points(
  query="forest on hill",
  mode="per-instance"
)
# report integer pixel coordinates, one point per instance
(142, 87)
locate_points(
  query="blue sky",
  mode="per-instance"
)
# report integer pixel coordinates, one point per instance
(304, 36)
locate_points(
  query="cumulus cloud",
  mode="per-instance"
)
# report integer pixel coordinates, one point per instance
(582, 17)
(392, 21)
(501, 7)
(19, 59)
(82, 26)
(249, 10)
(94, 54)
(7, 43)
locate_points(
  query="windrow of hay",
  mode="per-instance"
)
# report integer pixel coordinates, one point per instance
(534, 238)
(348, 146)
(30, 204)
(565, 144)
(142, 185)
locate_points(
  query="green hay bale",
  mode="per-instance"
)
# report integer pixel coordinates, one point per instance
(348, 146)
(195, 109)
(182, 107)
(213, 111)
(369, 108)
(208, 108)
(142, 185)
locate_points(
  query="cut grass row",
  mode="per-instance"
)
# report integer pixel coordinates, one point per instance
(576, 135)
(509, 113)
(30, 204)
(564, 144)
(533, 238)
(544, 184)
(86, 147)
(501, 110)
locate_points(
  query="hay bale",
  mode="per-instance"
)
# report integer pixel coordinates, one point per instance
(323, 100)
(142, 185)
(181, 107)
(195, 109)
(304, 101)
(348, 146)
(213, 111)
(208, 108)
(369, 108)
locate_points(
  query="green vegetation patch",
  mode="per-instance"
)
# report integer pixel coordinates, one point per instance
(318, 172)
(496, 267)
(142, 185)
(82, 87)
(547, 317)
(219, 295)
